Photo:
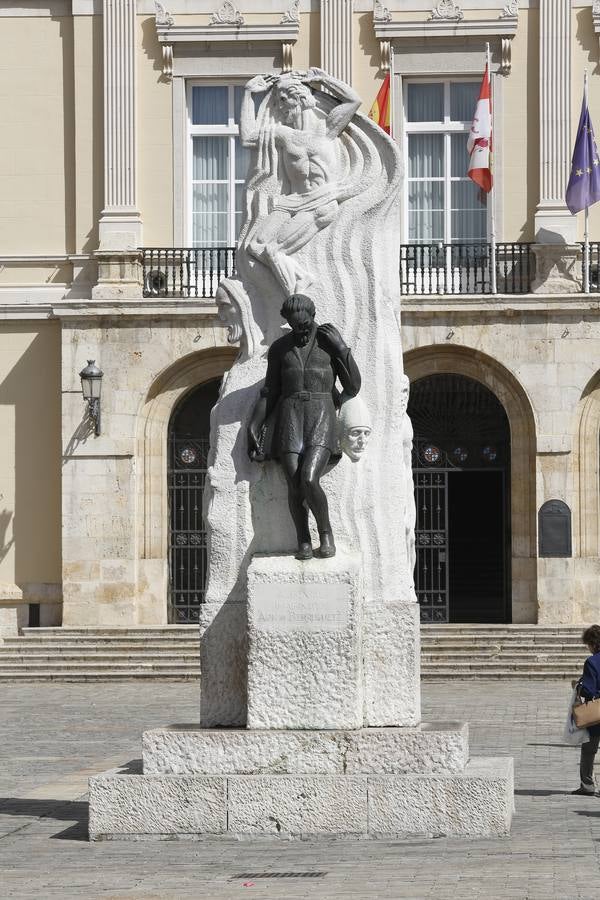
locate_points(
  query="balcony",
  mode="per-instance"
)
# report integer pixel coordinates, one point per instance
(425, 269)
(193, 272)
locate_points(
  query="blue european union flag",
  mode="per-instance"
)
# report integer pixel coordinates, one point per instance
(583, 188)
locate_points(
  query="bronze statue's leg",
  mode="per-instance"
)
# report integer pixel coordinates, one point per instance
(298, 509)
(312, 470)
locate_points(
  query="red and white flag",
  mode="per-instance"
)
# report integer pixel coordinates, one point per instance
(479, 145)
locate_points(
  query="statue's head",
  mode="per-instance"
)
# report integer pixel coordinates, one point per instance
(299, 312)
(229, 314)
(404, 392)
(292, 96)
(355, 427)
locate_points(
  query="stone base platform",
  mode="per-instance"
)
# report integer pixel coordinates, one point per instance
(369, 783)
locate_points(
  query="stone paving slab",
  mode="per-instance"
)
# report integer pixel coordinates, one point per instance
(52, 734)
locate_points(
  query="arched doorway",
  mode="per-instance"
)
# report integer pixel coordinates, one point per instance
(188, 445)
(461, 467)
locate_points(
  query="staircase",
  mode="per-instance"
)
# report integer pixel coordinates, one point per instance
(501, 651)
(171, 653)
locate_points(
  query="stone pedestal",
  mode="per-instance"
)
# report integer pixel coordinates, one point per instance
(370, 782)
(304, 643)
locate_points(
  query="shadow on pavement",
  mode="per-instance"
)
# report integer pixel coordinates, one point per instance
(541, 792)
(60, 810)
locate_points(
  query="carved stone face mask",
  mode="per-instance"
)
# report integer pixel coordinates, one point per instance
(355, 440)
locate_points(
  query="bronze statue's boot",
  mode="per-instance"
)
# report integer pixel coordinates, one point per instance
(305, 551)
(327, 547)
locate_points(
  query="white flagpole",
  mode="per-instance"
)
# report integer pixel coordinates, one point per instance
(494, 286)
(586, 234)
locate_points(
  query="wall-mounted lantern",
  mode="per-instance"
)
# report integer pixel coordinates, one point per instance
(91, 387)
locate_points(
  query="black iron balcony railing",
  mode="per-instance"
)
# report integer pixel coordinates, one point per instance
(190, 272)
(465, 268)
(185, 271)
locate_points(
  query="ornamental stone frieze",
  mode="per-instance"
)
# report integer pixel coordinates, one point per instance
(226, 25)
(447, 9)
(227, 14)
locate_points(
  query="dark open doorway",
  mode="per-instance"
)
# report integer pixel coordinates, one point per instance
(461, 467)
(189, 441)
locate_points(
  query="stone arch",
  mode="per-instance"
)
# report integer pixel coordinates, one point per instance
(586, 471)
(436, 359)
(164, 394)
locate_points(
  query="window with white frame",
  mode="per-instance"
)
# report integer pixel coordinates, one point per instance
(217, 164)
(442, 204)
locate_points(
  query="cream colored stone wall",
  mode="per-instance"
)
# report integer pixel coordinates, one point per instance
(36, 138)
(519, 133)
(114, 487)
(30, 471)
(155, 139)
(547, 358)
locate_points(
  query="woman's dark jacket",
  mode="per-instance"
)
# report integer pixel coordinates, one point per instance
(590, 684)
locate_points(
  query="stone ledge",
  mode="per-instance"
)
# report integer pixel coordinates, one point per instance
(436, 747)
(478, 801)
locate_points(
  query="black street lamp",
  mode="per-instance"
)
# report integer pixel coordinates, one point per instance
(91, 387)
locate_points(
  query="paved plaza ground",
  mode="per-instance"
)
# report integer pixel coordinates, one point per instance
(53, 735)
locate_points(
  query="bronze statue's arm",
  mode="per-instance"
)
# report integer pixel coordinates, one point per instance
(341, 115)
(341, 356)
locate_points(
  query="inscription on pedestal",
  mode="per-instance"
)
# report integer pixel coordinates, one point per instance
(304, 643)
(308, 607)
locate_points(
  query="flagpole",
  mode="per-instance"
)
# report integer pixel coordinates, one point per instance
(493, 285)
(586, 234)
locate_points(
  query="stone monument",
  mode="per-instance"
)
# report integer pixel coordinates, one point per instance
(310, 696)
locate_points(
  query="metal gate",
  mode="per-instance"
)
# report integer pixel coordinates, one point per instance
(188, 556)
(431, 540)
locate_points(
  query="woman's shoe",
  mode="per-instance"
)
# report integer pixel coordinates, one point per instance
(582, 792)
(327, 548)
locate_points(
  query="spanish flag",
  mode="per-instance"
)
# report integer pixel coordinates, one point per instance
(380, 111)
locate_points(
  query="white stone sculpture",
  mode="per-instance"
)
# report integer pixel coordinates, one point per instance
(410, 509)
(306, 171)
(355, 427)
(321, 202)
(227, 14)
(311, 657)
(447, 9)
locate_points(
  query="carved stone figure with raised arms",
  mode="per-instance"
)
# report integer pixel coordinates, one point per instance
(297, 407)
(300, 143)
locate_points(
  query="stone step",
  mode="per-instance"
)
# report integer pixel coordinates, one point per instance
(28, 645)
(99, 656)
(99, 665)
(67, 675)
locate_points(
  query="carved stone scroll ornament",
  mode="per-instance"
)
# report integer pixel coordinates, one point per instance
(385, 53)
(380, 12)
(287, 56)
(292, 14)
(511, 10)
(161, 15)
(506, 55)
(227, 14)
(167, 58)
(448, 10)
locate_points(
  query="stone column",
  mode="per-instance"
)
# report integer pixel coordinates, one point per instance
(336, 38)
(120, 226)
(554, 224)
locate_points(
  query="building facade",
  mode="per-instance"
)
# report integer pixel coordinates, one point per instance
(122, 182)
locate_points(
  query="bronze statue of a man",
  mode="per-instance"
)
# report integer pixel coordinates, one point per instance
(294, 420)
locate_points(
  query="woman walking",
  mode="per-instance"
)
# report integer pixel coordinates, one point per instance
(589, 688)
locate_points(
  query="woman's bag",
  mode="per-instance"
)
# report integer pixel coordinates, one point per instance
(572, 734)
(586, 713)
